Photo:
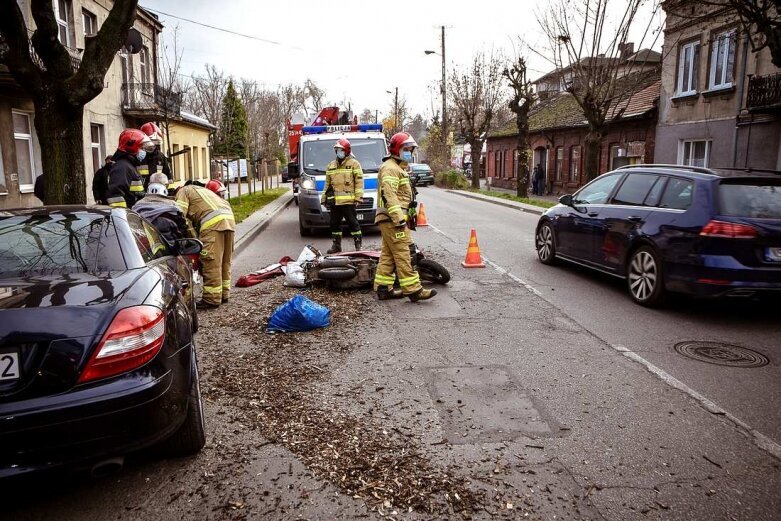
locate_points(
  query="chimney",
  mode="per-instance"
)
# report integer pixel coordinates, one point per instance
(626, 49)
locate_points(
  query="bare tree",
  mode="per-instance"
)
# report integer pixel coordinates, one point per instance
(367, 116)
(171, 86)
(60, 86)
(587, 44)
(476, 95)
(205, 97)
(759, 19)
(315, 96)
(521, 101)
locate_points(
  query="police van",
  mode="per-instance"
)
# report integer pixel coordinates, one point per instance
(314, 150)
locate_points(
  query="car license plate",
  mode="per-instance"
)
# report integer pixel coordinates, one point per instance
(773, 254)
(9, 366)
(360, 216)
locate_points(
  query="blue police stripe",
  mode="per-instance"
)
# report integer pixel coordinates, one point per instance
(369, 184)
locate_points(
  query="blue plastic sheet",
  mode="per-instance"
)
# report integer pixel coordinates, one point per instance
(298, 314)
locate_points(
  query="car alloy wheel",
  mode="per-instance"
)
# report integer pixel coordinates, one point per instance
(546, 248)
(644, 277)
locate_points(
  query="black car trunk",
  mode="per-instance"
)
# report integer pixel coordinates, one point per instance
(50, 325)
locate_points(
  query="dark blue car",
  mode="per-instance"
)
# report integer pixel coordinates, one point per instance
(97, 352)
(666, 228)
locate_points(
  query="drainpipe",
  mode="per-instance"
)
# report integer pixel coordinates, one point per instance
(741, 87)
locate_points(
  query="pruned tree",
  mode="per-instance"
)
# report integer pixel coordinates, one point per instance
(204, 99)
(477, 94)
(522, 99)
(60, 86)
(587, 44)
(367, 116)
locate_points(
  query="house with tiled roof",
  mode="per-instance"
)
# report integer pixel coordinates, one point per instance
(557, 137)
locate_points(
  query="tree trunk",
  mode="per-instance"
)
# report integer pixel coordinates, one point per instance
(60, 129)
(591, 159)
(522, 169)
(476, 145)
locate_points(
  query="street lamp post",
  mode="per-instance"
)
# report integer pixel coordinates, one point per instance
(395, 108)
(444, 88)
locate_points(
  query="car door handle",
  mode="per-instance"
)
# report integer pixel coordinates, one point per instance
(635, 218)
(593, 214)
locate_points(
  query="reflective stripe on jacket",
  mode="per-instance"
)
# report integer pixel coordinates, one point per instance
(394, 192)
(346, 181)
(205, 209)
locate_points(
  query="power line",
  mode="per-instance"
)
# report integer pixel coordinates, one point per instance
(235, 33)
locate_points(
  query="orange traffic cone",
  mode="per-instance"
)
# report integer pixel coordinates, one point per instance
(422, 221)
(473, 259)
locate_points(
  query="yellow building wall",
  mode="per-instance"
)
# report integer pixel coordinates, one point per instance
(192, 165)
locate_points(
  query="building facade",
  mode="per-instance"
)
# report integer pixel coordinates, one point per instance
(131, 97)
(720, 101)
(189, 151)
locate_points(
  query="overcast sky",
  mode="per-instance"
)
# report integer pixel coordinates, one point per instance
(356, 49)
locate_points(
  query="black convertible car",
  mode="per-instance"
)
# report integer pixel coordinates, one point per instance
(97, 349)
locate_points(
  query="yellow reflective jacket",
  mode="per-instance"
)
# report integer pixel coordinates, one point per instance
(205, 209)
(394, 192)
(346, 181)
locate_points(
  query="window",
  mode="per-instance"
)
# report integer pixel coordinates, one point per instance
(148, 239)
(574, 164)
(143, 58)
(25, 155)
(90, 23)
(694, 153)
(635, 189)
(97, 145)
(656, 192)
(559, 162)
(506, 163)
(62, 13)
(678, 194)
(722, 60)
(498, 164)
(597, 191)
(758, 199)
(688, 58)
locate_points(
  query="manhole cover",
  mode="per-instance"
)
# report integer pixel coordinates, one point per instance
(721, 354)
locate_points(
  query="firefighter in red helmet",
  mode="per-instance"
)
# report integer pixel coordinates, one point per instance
(216, 186)
(125, 186)
(343, 193)
(394, 194)
(155, 160)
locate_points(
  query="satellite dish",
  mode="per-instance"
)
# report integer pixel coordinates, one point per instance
(134, 42)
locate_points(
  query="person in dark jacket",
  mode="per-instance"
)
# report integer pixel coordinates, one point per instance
(40, 188)
(125, 186)
(100, 182)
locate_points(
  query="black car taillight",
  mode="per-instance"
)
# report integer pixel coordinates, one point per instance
(728, 230)
(134, 337)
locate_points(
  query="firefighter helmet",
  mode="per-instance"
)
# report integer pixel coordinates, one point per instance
(344, 145)
(157, 189)
(153, 131)
(216, 186)
(132, 140)
(399, 141)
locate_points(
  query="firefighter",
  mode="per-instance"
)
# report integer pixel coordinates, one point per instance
(343, 193)
(125, 186)
(155, 160)
(211, 216)
(394, 197)
(161, 210)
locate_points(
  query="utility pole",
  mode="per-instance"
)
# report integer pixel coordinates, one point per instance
(396, 111)
(444, 96)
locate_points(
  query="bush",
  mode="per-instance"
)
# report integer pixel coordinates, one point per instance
(451, 179)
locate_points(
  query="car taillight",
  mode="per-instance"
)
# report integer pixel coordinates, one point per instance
(728, 230)
(134, 337)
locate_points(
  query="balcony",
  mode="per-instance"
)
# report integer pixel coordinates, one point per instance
(764, 93)
(145, 99)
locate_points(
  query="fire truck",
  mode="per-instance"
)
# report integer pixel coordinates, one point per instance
(311, 148)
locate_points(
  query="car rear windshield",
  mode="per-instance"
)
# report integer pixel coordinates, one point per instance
(58, 243)
(758, 198)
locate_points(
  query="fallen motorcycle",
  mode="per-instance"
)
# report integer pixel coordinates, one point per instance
(356, 269)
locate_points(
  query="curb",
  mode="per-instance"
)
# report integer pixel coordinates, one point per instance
(499, 202)
(253, 232)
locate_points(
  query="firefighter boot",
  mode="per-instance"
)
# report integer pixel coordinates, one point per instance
(336, 247)
(388, 293)
(422, 294)
(358, 240)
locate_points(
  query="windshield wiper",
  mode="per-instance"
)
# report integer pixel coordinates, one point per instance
(371, 170)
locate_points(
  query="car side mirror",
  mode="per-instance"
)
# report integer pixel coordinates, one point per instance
(292, 170)
(566, 200)
(188, 246)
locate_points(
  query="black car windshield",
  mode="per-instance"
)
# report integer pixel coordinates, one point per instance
(58, 243)
(368, 152)
(421, 168)
(760, 199)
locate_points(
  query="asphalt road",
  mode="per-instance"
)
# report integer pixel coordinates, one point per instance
(600, 304)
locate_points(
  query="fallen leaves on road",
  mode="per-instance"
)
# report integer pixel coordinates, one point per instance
(269, 378)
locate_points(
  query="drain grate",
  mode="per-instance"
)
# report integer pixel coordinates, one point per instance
(721, 354)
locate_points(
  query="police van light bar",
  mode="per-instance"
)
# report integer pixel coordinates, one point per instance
(342, 128)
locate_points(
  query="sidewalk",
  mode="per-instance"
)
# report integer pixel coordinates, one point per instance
(484, 186)
(528, 208)
(250, 227)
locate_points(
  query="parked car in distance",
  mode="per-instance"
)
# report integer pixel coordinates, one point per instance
(421, 173)
(285, 177)
(97, 340)
(667, 228)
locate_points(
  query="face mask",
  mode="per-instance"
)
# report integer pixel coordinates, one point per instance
(340, 154)
(406, 156)
(141, 154)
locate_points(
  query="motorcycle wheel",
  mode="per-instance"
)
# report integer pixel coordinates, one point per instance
(433, 271)
(336, 273)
